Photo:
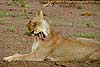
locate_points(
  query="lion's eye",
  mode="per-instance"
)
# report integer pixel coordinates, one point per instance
(34, 24)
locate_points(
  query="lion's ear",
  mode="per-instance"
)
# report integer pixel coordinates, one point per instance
(28, 24)
(39, 14)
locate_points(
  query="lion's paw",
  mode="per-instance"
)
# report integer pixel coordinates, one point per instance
(9, 58)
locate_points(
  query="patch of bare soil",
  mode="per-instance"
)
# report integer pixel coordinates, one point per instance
(65, 20)
(47, 64)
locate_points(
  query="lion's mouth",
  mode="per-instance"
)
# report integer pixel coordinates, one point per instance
(40, 34)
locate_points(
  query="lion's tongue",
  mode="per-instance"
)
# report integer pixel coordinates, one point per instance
(42, 36)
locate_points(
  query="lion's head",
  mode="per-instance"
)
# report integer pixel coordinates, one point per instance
(38, 26)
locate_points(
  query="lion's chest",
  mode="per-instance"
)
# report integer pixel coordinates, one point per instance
(34, 46)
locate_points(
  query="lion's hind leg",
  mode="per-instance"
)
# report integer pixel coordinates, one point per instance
(95, 56)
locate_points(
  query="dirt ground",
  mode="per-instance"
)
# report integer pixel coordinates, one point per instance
(66, 19)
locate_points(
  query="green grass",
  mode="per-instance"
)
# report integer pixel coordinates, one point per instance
(21, 3)
(74, 65)
(79, 6)
(2, 14)
(11, 28)
(2, 20)
(97, 1)
(16, 14)
(86, 35)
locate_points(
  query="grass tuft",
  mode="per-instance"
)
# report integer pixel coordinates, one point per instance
(11, 28)
(79, 6)
(86, 35)
(2, 14)
(2, 20)
(17, 14)
(21, 3)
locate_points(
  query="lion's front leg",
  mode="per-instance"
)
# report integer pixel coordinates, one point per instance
(11, 58)
(18, 57)
(40, 55)
(22, 57)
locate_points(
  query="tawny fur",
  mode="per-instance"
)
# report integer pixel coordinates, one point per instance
(56, 48)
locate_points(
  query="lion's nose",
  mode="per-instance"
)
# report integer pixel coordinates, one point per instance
(32, 32)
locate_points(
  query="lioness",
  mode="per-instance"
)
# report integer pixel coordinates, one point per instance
(47, 45)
